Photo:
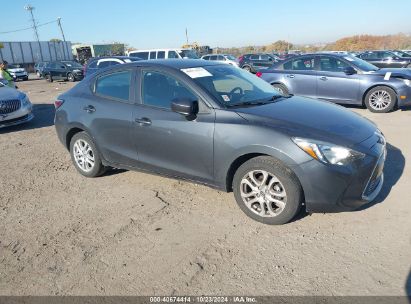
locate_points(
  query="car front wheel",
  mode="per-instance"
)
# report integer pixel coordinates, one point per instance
(85, 155)
(282, 89)
(49, 78)
(267, 191)
(381, 99)
(70, 77)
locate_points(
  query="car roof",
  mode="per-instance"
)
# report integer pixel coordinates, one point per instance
(175, 63)
(112, 57)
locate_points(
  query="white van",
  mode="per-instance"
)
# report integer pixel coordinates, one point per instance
(164, 54)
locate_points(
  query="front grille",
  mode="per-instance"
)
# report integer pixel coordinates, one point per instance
(9, 106)
(376, 177)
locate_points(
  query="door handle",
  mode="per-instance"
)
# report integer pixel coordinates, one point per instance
(291, 76)
(324, 78)
(143, 121)
(89, 109)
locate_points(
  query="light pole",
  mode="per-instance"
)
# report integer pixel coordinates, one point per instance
(65, 49)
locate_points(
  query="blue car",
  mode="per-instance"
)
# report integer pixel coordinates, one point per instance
(342, 79)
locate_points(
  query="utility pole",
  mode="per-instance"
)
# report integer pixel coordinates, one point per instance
(186, 36)
(30, 9)
(61, 28)
(64, 38)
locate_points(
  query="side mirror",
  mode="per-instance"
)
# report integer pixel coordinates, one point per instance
(350, 71)
(185, 106)
(3, 82)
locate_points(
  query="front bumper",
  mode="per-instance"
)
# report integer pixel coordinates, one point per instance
(18, 76)
(336, 188)
(21, 116)
(404, 96)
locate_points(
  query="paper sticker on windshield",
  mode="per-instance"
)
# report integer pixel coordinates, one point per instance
(225, 98)
(349, 58)
(197, 72)
(387, 76)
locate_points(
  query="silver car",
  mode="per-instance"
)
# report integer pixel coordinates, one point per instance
(15, 106)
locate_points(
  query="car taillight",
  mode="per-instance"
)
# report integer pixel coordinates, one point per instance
(84, 70)
(240, 58)
(58, 103)
(258, 74)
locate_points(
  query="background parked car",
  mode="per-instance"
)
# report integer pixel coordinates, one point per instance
(254, 62)
(38, 68)
(15, 106)
(386, 59)
(94, 64)
(63, 70)
(17, 72)
(223, 58)
(165, 54)
(342, 79)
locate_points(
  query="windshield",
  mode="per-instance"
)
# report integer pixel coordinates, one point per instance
(12, 66)
(73, 64)
(190, 54)
(401, 54)
(232, 86)
(361, 64)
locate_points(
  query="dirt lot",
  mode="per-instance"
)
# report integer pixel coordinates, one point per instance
(130, 233)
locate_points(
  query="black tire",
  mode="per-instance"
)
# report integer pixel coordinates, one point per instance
(97, 169)
(38, 74)
(287, 181)
(48, 78)
(25, 78)
(70, 77)
(371, 95)
(247, 68)
(281, 88)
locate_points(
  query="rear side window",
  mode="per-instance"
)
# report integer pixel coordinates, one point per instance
(160, 89)
(264, 57)
(300, 64)
(116, 85)
(104, 64)
(153, 55)
(206, 58)
(254, 57)
(161, 55)
(214, 57)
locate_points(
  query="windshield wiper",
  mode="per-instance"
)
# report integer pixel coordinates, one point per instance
(258, 102)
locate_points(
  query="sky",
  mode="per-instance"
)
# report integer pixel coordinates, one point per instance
(225, 23)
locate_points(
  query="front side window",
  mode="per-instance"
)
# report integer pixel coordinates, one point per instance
(188, 54)
(142, 55)
(104, 64)
(92, 65)
(331, 64)
(254, 57)
(159, 90)
(116, 85)
(172, 55)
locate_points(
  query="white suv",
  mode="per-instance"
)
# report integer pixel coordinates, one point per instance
(224, 58)
(164, 54)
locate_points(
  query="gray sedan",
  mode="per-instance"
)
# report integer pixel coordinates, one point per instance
(15, 106)
(342, 79)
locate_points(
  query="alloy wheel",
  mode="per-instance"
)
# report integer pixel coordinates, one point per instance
(83, 155)
(263, 193)
(380, 100)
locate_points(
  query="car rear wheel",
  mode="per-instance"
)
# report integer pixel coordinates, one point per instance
(281, 88)
(85, 155)
(49, 78)
(247, 68)
(38, 74)
(267, 191)
(70, 77)
(381, 99)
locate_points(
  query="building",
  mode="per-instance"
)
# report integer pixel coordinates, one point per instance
(27, 53)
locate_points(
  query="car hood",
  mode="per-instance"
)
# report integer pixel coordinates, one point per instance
(313, 119)
(399, 73)
(7, 93)
(16, 70)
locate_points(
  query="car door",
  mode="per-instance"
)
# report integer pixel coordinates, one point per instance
(167, 142)
(300, 76)
(333, 84)
(372, 57)
(109, 112)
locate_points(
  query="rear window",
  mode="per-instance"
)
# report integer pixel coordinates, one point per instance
(116, 85)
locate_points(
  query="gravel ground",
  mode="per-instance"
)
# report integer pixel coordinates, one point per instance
(130, 233)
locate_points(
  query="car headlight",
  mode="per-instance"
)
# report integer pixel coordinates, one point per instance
(25, 102)
(328, 153)
(407, 82)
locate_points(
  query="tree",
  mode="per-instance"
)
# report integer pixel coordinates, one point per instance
(55, 40)
(279, 46)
